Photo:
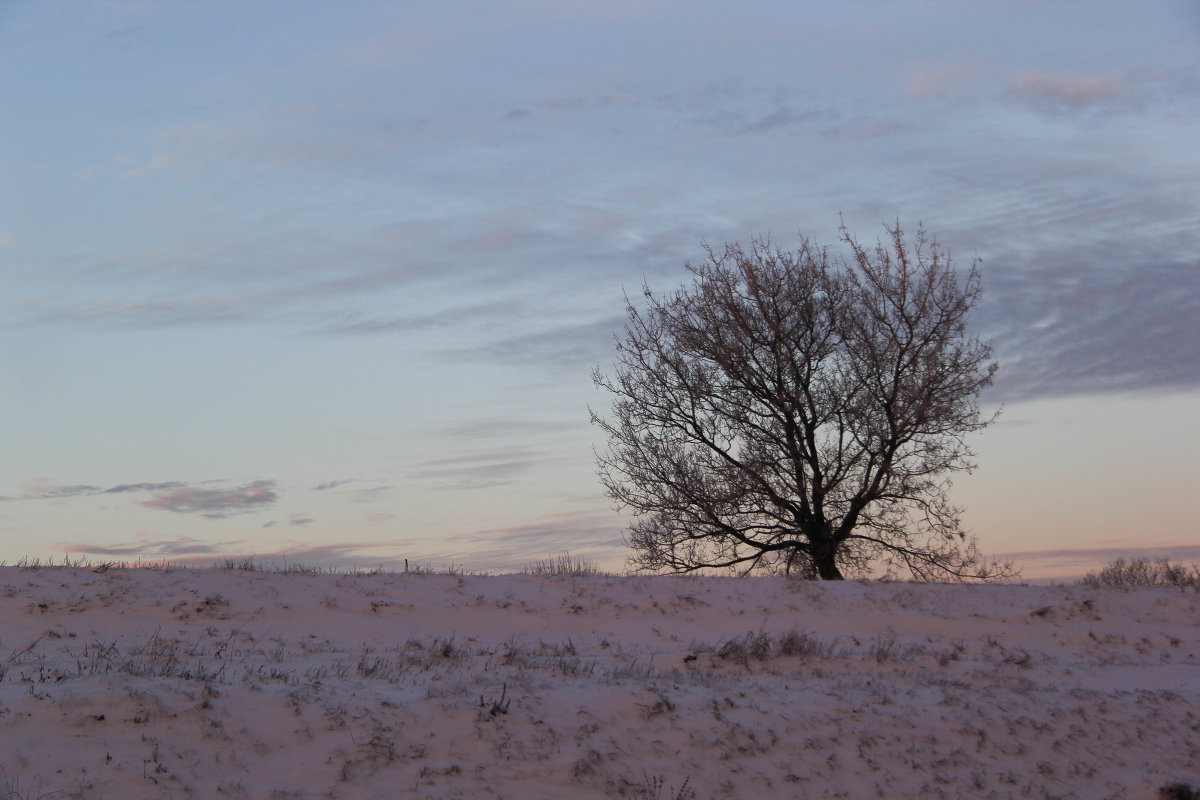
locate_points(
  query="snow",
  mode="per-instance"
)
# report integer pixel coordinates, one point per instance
(157, 683)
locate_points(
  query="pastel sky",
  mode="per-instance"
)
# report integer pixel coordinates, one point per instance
(325, 282)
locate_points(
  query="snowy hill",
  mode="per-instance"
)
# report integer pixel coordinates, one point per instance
(166, 683)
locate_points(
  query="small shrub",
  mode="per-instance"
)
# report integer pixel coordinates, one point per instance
(564, 564)
(452, 570)
(11, 789)
(157, 658)
(1143, 572)
(754, 645)
(245, 564)
(295, 568)
(652, 789)
(499, 706)
(762, 647)
(797, 643)
(884, 648)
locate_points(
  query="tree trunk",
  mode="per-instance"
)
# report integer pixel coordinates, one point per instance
(823, 559)
(828, 570)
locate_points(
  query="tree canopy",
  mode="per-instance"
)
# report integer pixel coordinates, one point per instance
(800, 410)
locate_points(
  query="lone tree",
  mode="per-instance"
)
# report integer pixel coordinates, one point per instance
(800, 411)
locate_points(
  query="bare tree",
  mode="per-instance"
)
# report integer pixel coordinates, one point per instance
(800, 410)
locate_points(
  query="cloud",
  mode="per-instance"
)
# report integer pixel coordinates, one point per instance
(327, 485)
(586, 532)
(1054, 92)
(589, 99)
(937, 79)
(143, 487)
(1087, 326)
(568, 346)
(779, 118)
(1185, 552)
(155, 164)
(478, 470)
(162, 312)
(343, 553)
(42, 489)
(1091, 282)
(153, 548)
(59, 492)
(127, 36)
(187, 549)
(514, 428)
(372, 494)
(215, 503)
(359, 324)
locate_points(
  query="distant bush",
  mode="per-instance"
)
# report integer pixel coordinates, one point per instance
(1143, 572)
(564, 564)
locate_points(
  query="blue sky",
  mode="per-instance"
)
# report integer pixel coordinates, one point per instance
(326, 282)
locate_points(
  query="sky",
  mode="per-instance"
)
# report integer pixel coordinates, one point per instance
(326, 283)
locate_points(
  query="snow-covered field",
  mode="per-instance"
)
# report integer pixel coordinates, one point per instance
(149, 683)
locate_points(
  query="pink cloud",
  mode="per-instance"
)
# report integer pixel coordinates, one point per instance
(930, 79)
(1052, 91)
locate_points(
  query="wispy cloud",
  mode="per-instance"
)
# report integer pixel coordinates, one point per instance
(779, 118)
(478, 470)
(42, 489)
(50, 492)
(160, 312)
(143, 487)
(152, 548)
(1054, 92)
(520, 429)
(187, 549)
(1091, 326)
(215, 503)
(156, 163)
(327, 485)
(928, 79)
(372, 494)
(568, 346)
(591, 99)
(593, 533)
(359, 324)
(389, 555)
(126, 36)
